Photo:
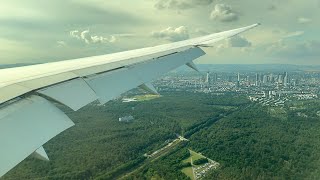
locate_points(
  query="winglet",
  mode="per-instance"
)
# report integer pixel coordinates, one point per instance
(207, 41)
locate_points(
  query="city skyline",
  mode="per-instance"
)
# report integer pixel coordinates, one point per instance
(266, 88)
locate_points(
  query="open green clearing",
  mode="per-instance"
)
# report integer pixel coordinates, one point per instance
(146, 97)
(194, 156)
(188, 171)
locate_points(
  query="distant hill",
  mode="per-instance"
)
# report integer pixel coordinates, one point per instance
(253, 67)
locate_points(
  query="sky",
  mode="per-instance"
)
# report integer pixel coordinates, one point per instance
(33, 31)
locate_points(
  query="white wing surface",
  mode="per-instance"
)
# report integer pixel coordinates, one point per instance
(28, 118)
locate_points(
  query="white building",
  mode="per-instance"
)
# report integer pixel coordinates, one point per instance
(126, 119)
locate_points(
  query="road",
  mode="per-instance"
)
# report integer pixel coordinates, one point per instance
(155, 156)
(192, 166)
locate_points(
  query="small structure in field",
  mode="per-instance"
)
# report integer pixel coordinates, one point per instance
(126, 119)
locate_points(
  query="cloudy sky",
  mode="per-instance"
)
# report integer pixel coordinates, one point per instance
(33, 31)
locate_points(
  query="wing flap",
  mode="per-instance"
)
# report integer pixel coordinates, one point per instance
(25, 126)
(110, 85)
(74, 94)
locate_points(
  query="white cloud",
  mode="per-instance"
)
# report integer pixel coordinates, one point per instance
(181, 4)
(61, 44)
(303, 20)
(284, 49)
(75, 34)
(172, 34)
(106, 19)
(238, 41)
(86, 36)
(172, 4)
(91, 39)
(223, 13)
(294, 34)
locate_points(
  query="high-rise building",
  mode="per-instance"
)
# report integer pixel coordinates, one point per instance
(238, 80)
(280, 79)
(285, 79)
(294, 83)
(272, 78)
(257, 79)
(265, 79)
(207, 78)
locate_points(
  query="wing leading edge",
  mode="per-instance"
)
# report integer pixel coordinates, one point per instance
(28, 119)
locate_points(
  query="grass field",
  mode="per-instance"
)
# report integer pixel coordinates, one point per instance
(188, 171)
(278, 112)
(146, 97)
(224, 107)
(194, 156)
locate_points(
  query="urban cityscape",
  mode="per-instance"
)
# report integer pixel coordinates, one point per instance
(267, 88)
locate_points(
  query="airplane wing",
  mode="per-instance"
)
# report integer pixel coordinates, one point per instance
(29, 119)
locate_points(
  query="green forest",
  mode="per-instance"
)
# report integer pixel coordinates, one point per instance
(254, 143)
(249, 141)
(101, 146)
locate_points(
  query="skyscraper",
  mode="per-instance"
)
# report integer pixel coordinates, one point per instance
(207, 78)
(280, 79)
(285, 79)
(238, 80)
(272, 78)
(257, 79)
(265, 79)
